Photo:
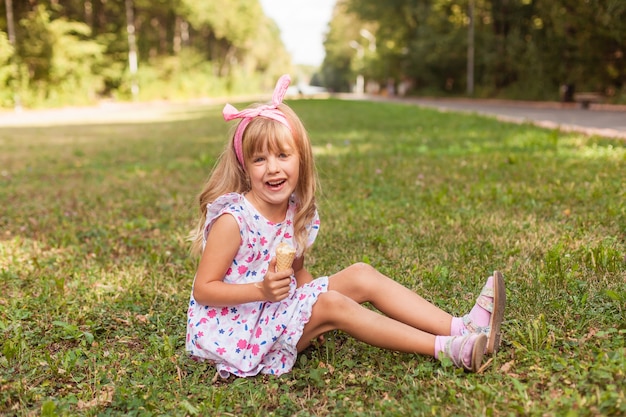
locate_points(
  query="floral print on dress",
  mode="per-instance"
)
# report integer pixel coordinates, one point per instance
(257, 337)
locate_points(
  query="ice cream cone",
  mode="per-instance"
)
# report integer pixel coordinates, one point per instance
(285, 254)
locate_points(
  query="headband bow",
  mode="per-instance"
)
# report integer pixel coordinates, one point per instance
(269, 111)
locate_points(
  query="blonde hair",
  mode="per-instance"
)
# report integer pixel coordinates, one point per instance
(229, 176)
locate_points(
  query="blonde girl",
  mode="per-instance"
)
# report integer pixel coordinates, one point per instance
(248, 318)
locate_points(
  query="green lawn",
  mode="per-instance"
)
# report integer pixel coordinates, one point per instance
(95, 273)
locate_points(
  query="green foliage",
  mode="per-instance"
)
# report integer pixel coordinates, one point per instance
(7, 70)
(438, 35)
(6, 52)
(74, 52)
(185, 77)
(337, 70)
(95, 272)
(242, 35)
(75, 62)
(59, 61)
(522, 49)
(237, 22)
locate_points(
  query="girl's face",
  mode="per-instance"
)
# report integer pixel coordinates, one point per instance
(274, 174)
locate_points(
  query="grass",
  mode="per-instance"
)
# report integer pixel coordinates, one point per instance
(95, 273)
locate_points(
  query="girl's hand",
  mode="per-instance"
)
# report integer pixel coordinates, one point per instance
(275, 285)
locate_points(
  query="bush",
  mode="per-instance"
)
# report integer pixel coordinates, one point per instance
(188, 75)
(6, 71)
(58, 61)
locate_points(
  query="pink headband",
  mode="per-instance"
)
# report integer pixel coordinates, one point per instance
(269, 111)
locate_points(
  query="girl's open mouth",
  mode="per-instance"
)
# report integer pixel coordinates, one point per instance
(275, 184)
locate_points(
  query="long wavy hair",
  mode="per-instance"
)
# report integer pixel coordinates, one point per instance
(229, 176)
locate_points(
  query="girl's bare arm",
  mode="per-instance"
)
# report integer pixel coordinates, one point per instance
(302, 275)
(222, 245)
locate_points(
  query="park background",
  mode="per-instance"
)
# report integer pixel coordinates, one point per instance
(77, 52)
(96, 205)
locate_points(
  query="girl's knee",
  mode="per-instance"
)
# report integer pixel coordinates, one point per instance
(359, 281)
(330, 312)
(332, 306)
(361, 268)
(332, 300)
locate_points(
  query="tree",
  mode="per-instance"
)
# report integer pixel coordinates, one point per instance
(522, 48)
(132, 47)
(336, 69)
(59, 58)
(8, 96)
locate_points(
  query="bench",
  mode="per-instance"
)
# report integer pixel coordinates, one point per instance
(585, 99)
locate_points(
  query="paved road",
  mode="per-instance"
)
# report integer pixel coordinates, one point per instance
(600, 120)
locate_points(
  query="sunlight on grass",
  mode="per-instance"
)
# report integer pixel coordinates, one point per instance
(23, 256)
(604, 152)
(584, 147)
(110, 114)
(330, 150)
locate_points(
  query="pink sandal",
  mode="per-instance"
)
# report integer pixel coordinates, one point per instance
(456, 349)
(494, 301)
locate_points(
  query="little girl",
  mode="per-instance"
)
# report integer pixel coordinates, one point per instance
(246, 317)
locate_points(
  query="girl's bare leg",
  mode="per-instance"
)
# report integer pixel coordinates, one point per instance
(334, 310)
(409, 323)
(362, 283)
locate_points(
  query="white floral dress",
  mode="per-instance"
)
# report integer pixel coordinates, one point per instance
(260, 336)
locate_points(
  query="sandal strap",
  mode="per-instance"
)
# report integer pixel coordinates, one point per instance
(464, 342)
(472, 327)
(487, 291)
(485, 299)
(457, 359)
(449, 354)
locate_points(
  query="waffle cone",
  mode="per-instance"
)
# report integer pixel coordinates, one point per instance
(285, 255)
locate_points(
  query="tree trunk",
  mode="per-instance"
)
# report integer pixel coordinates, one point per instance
(470, 49)
(88, 8)
(10, 25)
(132, 48)
(17, 102)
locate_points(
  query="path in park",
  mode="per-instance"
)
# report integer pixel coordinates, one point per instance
(603, 120)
